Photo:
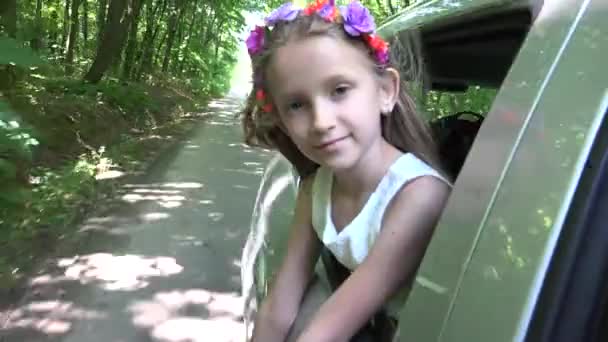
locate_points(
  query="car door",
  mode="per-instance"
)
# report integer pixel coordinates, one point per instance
(573, 302)
(484, 270)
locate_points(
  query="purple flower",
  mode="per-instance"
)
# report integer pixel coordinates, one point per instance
(382, 56)
(255, 41)
(286, 12)
(357, 19)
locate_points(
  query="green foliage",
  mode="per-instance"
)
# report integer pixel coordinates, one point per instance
(65, 186)
(15, 53)
(16, 142)
(58, 192)
(50, 152)
(54, 202)
(126, 97)
(475, 99)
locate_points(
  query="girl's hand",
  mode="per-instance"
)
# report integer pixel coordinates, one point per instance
(279, 309)
(408, 225)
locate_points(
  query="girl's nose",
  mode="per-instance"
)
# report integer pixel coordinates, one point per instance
(323, 117)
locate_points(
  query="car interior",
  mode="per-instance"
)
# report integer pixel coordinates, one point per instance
(474, 51)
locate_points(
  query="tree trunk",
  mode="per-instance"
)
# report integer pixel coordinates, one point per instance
(74, 26)
(152, 30)
(171, 31)
(8, 17)
(156, 52)
(186, 48)
(66, 23)
(112, 41)
(38, 30)
(102, 12)
(8, 22)
(379, 3)
(53, 36)
(217, 45)
(391, 7)
(209, 30)
(132, 40)
(85, 24)
(173, 65)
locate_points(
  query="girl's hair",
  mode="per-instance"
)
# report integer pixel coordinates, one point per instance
(403, 127)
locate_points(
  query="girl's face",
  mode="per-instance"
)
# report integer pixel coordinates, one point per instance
(329, 100)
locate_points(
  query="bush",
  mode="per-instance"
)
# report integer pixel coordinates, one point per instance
(16, 142)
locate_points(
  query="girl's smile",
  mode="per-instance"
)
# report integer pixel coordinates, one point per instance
(331, 145)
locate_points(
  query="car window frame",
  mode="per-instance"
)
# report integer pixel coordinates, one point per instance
(436, 310)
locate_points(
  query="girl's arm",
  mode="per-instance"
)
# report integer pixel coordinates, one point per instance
(408, 225)
(279, 310)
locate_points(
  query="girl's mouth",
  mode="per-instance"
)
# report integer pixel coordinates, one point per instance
(330, 143)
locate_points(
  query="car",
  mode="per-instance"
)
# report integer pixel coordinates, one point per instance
(521, 250)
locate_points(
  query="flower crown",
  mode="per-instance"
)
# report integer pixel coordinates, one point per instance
(356, 19)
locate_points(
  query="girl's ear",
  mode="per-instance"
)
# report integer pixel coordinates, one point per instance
(389, 90)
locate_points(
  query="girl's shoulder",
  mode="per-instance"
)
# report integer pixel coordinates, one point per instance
(408, 168)
(413, 184)
(425, 194)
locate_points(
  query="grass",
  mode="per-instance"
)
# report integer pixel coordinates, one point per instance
(82, 131)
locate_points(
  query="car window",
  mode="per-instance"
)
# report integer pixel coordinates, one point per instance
(475, 99)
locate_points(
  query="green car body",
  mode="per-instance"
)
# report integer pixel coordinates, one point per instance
(485, 271)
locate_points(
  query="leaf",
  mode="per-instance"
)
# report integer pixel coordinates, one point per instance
(8, 171)
(12, 194)
(15, 53)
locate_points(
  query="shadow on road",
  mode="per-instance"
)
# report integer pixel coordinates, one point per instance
(160, 262)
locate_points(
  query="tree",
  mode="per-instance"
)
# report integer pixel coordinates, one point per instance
(8, 17)
(38, 27)
(113, 37)
(102, 12)
(8, 21)
(73, 36)
(132, 40)
(85, 23)
(176, 13)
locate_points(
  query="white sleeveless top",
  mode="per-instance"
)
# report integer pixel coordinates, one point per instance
(352, 245)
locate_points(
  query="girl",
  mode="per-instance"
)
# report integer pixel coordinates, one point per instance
(326, 95)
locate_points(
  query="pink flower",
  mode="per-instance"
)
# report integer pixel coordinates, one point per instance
(267, 108)
(314, 7)
(260, 95)
(255, 41)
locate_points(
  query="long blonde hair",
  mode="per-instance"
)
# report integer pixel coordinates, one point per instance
(403, 127)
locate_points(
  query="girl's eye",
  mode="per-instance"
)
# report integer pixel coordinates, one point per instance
(293, 106)
(340, 90)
